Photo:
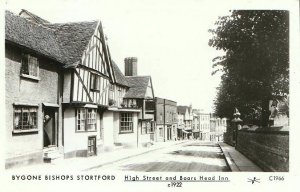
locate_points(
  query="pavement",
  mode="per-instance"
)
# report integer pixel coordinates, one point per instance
(91, 163)
(237, 161)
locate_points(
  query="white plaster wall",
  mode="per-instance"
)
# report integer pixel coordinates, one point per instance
(67, 87)
(76, 140)
(108, 129)
(126, 139)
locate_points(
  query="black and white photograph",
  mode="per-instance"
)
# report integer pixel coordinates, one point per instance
(140, 95)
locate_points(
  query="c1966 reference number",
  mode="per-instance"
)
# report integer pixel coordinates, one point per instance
(276, 178)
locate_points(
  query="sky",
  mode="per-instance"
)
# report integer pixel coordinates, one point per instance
(169, 38)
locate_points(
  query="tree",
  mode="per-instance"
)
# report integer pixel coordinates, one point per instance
(256, 62)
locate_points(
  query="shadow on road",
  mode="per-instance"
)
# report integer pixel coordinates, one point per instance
(203, 154)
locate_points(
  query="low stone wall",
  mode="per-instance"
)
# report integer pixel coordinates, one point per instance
(267, 147)
(228, 136)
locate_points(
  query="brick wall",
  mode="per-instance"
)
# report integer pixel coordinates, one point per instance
(267, 147)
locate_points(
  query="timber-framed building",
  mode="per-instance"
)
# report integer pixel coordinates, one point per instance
(65, 96)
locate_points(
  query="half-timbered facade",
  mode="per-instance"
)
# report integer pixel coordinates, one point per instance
(65, 76)
(87, 78)
(185, 128)
(64, 94)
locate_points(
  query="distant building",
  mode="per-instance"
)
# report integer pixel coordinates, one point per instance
(185, 114)
(204, 126)
(166, 119)
(196, 124)
(217, 128)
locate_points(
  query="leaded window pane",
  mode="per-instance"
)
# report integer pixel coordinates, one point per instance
(25, 118)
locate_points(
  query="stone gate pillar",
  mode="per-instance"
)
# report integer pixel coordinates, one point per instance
(236, 125)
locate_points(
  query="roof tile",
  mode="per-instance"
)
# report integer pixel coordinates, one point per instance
(138, 86)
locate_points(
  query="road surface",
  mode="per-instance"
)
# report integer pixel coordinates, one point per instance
(192, 156)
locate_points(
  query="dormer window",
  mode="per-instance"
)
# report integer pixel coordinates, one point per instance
(30, 66)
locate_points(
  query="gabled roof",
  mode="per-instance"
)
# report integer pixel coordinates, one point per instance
(64, 42)
(120, 78)
(73, 38)
(182, 109)
(34, 17)
(30, 35)
(138, 86)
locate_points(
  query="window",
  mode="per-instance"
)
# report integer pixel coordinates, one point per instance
(91, 120)
(120, 98)
(130, 103)
(86, 119)
(30, 65)
(147, 127)
(95, 82)
(25, 118)
(126, 123)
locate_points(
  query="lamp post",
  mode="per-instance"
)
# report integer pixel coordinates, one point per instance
(236, 121)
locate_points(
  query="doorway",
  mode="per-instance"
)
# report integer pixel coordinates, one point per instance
(169, 133)
(49, 127)
(91, 146)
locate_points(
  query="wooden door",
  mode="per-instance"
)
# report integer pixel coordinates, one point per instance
(91, 146)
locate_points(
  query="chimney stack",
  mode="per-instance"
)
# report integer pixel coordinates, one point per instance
(130, 66)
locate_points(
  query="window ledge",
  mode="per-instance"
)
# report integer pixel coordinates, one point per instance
(26, 131)
(77, 131)
(25, 104)
(30, 77)
(126, 132)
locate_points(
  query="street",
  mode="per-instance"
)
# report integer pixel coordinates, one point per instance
(192, 156)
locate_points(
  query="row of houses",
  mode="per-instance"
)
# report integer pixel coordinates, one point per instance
(66, 97)
(196, 124)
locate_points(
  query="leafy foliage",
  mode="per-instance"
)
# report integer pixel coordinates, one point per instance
(255, 66)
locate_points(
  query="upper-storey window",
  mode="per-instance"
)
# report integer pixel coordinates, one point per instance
(30, 66)
(95, 82)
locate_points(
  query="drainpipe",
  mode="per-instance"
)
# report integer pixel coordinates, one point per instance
(164, 120)
(137, 133)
